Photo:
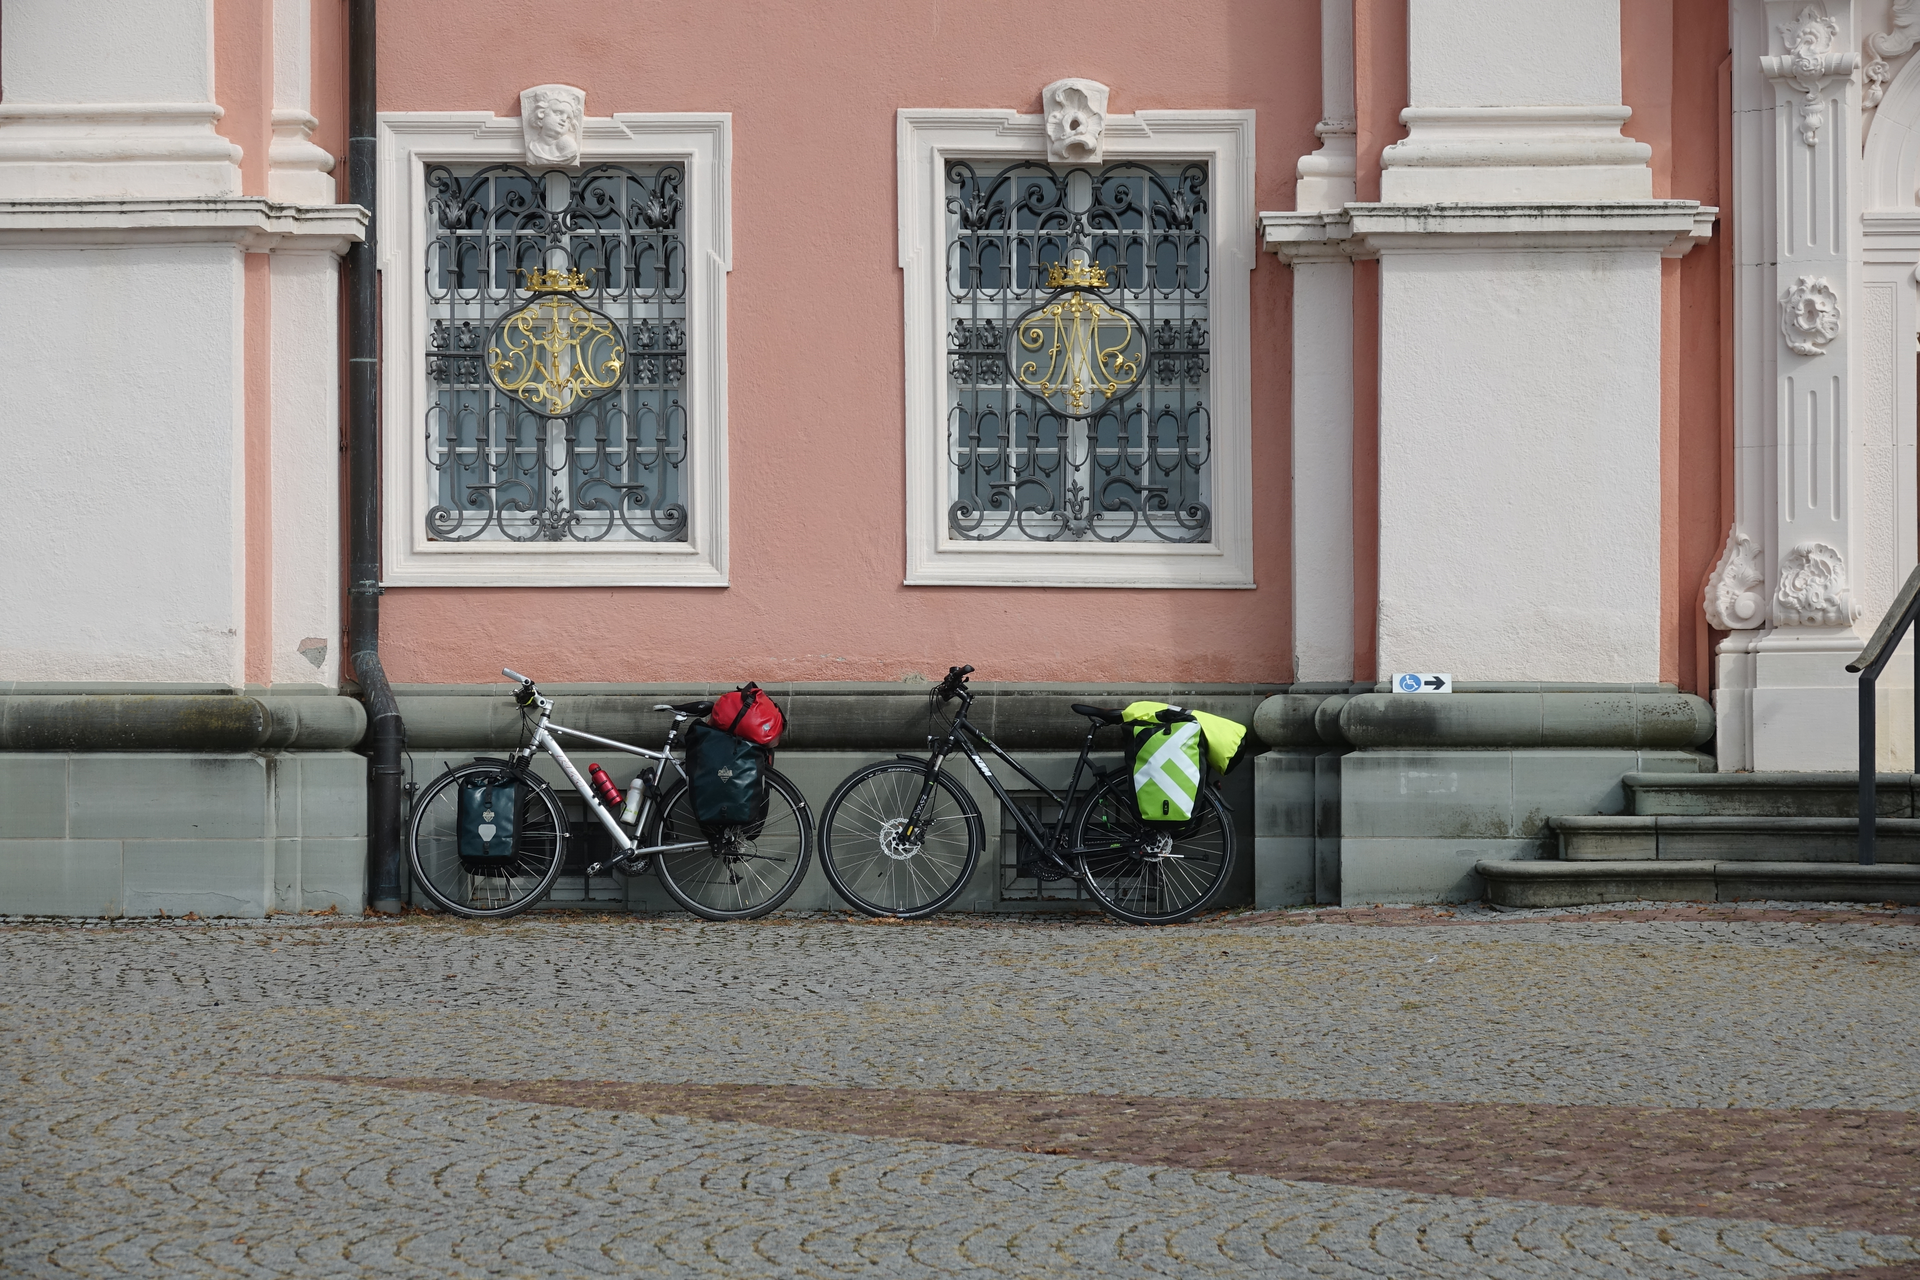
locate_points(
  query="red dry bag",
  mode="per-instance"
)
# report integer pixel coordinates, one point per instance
(749, 713)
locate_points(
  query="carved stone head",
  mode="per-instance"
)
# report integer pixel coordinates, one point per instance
(552, 116)
(1076, 113)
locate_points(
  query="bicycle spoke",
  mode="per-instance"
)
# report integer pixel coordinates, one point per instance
(1151, 873)
(736, 875)
(873, 860)
(484, 889)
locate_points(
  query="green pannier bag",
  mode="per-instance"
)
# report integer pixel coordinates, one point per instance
(728, 778)
(1171, 758)
(1168, 765)
(489, 821)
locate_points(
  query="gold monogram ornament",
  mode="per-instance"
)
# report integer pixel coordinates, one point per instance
(555, 354)
(1094, 351)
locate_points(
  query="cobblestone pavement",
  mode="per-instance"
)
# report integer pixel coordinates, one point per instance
(1288, 1094)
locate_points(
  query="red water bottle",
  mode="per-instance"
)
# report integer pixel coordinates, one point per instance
(608, 792)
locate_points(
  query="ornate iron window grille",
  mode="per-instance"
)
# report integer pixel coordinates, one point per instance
(605, 466)
(1053, 269)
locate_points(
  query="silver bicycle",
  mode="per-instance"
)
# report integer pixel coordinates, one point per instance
(731, 873)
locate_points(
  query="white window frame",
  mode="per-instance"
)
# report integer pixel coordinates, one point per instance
(409, 141)
(927, 139)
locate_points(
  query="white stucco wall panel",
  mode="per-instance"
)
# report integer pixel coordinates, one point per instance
(306, 467)
(123, 559)
(1495, 53)
(1323, 470)
(107, 51)
(1520, 465)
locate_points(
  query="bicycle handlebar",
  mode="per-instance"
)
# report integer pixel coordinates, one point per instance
(511, 674)
(954, 685)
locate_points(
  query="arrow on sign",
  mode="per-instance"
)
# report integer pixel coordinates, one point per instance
(1435, 683)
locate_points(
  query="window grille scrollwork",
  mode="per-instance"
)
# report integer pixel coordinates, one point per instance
(1077, 359)
(592, 445)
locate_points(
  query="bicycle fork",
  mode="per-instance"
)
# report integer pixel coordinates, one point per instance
(910, 834)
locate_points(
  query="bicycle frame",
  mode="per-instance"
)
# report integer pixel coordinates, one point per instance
(629, 848)
(969, 740)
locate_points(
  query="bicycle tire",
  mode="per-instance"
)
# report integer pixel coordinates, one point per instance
(855, 849)
(1177, 882)
(433, 849)
(696, 878)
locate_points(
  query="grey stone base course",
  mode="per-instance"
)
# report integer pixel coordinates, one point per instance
(817, 773)
(1615, 838)
(848, 716)
(1570, 884)
(168, 833)
(1410, 825)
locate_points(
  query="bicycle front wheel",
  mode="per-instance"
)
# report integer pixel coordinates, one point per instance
(485, 890)
(744, 871)
(1150, 872)
(877, 871)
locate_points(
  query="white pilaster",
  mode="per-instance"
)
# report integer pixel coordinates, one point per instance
(1514, 103)
(1322, 400)
(297, 170)
(1806, 320)
(1520, 336)
(110, 100)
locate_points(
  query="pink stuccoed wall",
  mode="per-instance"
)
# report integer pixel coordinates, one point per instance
(815, 408)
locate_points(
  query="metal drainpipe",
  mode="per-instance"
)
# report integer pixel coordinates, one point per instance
(385, 732)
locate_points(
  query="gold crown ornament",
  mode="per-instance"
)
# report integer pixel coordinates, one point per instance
(556, 280)
(1076, 275)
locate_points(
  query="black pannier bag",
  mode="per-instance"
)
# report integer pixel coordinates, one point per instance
(728, 778)
(490, 812)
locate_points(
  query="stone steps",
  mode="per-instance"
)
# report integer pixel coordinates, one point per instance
(1781, 795)
(1551, 883)
(1687, 837)
(1725, 837)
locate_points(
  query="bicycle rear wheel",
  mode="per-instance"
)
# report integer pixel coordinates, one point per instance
(1148, 873)
(485, 891)
(745, 871)
(871, 867)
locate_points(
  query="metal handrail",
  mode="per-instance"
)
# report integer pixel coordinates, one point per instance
(1871, 662)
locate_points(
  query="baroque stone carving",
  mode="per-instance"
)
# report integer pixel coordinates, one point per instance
(1737, 589)
(1809, 65)
(553, 118)
(1813, 589)
(1076, 112)
(1889, 44)
(1810, 316)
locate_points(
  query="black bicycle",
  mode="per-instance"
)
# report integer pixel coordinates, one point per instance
(902, 837)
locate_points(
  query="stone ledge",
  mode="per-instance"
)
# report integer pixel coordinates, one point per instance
(1573, 884)
(1801, 795)
(820, 715)
(1745, 838)
(1601, 717)
(178, 722)
(250, 223)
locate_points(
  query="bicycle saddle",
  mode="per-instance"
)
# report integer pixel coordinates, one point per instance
(689, 708)
(1096, 713)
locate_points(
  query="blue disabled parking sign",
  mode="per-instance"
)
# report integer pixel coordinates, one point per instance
(1422, 682)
